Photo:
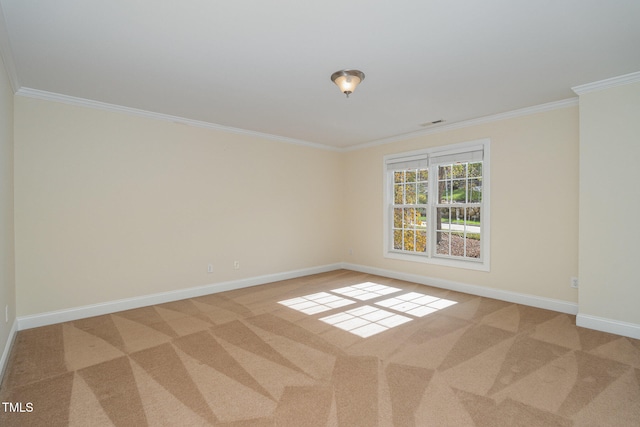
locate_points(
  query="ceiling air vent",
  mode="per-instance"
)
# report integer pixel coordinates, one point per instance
(435, 122)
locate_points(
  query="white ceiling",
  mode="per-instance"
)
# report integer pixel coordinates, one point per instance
(264, 65)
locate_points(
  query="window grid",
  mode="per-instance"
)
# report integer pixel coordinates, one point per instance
(459, 207)
(409, 210)
(451, 217)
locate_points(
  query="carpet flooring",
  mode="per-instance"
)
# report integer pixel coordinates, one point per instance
(334, 349)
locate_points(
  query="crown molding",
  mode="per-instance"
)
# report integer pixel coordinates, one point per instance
(565, 103)
(607, 83)
(82, 102)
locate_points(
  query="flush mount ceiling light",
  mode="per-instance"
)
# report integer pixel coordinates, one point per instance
(347, 80)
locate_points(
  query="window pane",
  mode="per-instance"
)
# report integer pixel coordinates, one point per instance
(421, 241)
(473, 217)
(459, 170)
(421, 217)
(444, 191)
(473, 236)
(411, 217)
(473, 245)
(410, 176)
(398, 192)
(423, 193)
(397, 239)
(475, 190)
(398, 177)
(397, 218)
(458, 219)
(410, 197)
(444, 219)
(475, 170)
(443, 246)
(423, 175)
(409, 237)
(444, 172)
(459, 190)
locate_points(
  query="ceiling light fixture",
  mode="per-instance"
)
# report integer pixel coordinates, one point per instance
(347, 80)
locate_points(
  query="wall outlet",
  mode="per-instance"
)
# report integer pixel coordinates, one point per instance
(210, 268)
(236, 265)
(574, 282)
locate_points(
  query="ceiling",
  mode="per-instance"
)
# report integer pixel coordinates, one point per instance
(265, 66)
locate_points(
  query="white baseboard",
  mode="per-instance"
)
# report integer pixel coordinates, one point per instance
(7, 349)
(52, 317)
(631, 330)
(515, 297)
(43, 319)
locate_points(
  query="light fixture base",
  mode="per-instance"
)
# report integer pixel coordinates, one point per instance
(347, 80)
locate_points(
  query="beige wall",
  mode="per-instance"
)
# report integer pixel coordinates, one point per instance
(610, 203)
(7, 279)
(111, 206)
(534, 205)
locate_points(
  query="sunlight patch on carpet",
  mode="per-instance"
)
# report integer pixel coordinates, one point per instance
(366, 291)
(367, 320)
(416, 304)
(316, 303)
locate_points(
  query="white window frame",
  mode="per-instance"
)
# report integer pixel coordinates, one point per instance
(482, 264)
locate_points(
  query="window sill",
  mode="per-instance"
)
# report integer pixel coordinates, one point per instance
(468, 265)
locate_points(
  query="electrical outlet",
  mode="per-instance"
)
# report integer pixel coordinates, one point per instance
(210, 268)
(574, 282)
(236, 265)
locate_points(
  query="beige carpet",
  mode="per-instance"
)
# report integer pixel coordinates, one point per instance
(335, 349)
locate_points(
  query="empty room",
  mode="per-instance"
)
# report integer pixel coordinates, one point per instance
(280, 213)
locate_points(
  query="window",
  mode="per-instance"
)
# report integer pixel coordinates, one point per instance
(437, 205)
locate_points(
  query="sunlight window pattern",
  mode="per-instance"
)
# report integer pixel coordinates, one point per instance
(368, 320)
(366, 291)
(416, 304)
(316, 303)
